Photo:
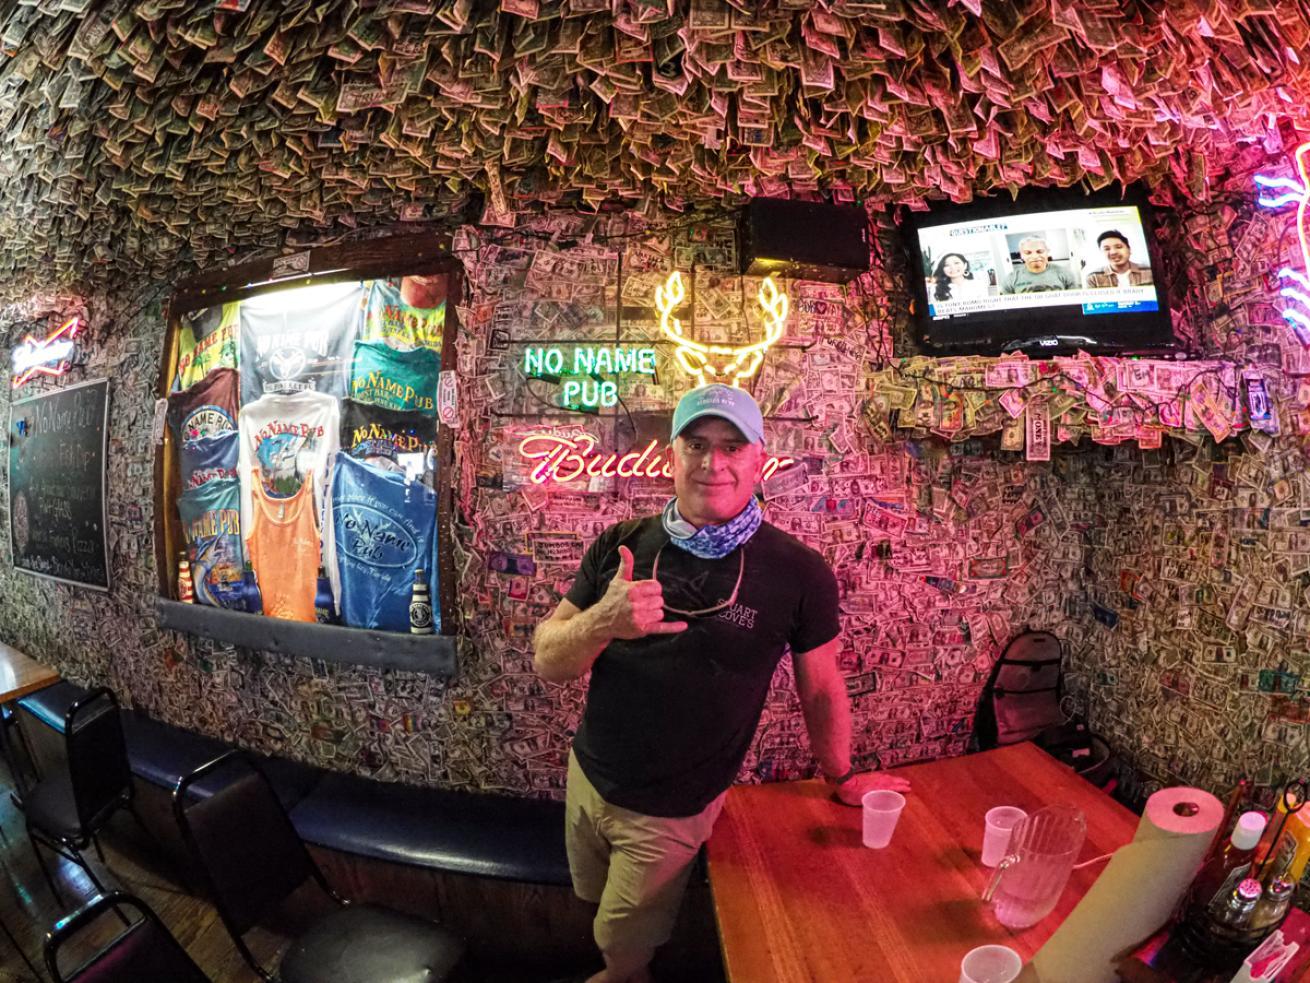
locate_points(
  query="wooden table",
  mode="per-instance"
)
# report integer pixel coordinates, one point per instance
(20, 674)
(799, 898)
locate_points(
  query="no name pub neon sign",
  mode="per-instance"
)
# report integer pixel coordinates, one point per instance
(585, 362)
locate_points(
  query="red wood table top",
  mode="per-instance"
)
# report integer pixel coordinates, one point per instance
(21, 674)
(799, 898)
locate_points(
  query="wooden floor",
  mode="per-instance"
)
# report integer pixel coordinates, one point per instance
(29, 910)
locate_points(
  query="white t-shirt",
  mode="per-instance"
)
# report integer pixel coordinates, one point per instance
(291, 438)
(970, 289)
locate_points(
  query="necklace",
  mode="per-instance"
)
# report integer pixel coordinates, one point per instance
(732, 598)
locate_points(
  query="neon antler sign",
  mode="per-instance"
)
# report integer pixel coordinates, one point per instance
(47, 357)
(731, 364)
(564, 459)
(1299, 192)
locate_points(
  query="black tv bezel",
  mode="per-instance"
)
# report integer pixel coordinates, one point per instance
(1064, 330)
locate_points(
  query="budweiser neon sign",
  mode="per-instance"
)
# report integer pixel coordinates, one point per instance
(46, 357)
(563, 459)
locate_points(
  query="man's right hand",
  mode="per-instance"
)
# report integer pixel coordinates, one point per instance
(634, 608)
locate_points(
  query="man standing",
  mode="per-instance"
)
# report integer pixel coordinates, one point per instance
(682, 618)
(1037, 273)
(1120, 270)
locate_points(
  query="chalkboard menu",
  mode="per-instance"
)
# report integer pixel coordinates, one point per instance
(57, 484)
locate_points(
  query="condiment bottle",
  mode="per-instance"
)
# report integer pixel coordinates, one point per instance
(1237, 908)
(1222, 873)
(1273, 904)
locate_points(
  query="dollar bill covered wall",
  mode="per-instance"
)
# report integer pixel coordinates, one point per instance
(1176, 575)
(1192, 632)
(932, 586)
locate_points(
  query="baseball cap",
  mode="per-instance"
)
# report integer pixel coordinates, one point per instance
(732, 404)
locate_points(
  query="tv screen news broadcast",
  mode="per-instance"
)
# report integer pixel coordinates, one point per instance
(1054, 272)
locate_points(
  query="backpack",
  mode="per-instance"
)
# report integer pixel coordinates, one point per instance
(1021, 702)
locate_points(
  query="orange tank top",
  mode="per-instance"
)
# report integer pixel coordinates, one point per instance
(284, 550)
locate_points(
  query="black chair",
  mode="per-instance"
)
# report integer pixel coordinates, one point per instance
(65, 812)
(251, 858)
(144, 952)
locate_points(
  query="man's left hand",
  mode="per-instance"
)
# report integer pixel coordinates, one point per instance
(852, 791)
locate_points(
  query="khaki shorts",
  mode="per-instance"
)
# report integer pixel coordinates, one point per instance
(634, 866)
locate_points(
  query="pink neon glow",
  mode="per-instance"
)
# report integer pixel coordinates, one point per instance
(69, 329)
(565, 459)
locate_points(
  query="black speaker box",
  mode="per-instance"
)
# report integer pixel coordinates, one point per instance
(803, 240)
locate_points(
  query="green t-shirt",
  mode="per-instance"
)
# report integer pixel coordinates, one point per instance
(207, 341)
(382, 376)
(386, 317)
(1023, 281)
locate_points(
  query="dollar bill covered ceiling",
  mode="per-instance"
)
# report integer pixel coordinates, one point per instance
(164, 134)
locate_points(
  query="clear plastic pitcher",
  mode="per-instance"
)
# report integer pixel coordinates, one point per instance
(1031, 876)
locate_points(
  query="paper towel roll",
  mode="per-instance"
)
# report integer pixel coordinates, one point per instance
(1137, 891)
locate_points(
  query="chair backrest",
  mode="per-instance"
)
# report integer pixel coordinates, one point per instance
(145, 950)
(97, 757)
(242, 841)
(1022, 697)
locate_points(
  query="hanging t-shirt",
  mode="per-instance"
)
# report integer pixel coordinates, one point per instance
(282, 541)
(298, 340)
(289, 441)
(395, 380)
(388, 319)
(207, 409)
(207, 459)
(211, 523)
(394, 440)
(207, 341)
(382, 530)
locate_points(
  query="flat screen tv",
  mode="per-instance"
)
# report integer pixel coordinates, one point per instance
(1049, 273)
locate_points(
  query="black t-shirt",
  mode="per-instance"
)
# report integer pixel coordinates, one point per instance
(669, 718)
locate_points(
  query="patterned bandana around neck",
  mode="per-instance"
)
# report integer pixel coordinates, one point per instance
(711, 542)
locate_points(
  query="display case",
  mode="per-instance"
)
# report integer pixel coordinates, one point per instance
(303, 467)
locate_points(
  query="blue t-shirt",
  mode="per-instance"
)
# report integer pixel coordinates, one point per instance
(211, 521)
(383, 527)
(208, 459)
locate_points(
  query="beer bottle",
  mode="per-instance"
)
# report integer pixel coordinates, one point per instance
(420, 605)
(250, 589)
(185, 588)
(325, 608)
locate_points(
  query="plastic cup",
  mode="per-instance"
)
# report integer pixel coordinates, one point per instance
(990, 964)
(882, 808)
(996, 832)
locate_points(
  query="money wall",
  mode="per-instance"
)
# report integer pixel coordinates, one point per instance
(1176, 575)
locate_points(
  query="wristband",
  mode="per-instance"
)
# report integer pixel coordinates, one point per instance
(840, 779)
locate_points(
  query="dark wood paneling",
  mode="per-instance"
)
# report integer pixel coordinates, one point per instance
(534, 926)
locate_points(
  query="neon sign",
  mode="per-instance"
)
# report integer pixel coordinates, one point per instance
(588, 361)
(731, 364)
(564, 459)
(47, 357)
(1298, 290)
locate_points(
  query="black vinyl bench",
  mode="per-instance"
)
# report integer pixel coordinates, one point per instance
(468, 833)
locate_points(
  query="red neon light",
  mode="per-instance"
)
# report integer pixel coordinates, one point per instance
(70, 329)
(565, 459)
